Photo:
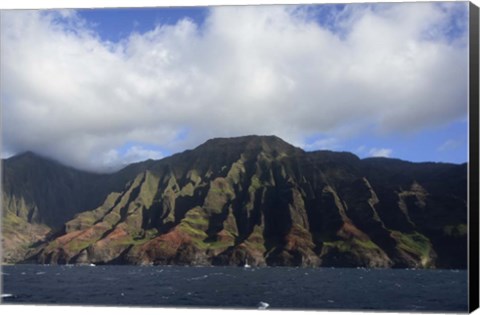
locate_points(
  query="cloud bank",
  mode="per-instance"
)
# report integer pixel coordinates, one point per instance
(380, 152)
(295, 72)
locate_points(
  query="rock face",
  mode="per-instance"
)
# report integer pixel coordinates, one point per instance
(255, 200)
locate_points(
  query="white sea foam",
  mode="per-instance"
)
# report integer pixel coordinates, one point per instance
(263, 305)
(199, 278)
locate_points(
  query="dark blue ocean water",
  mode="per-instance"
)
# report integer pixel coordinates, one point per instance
(236, 287)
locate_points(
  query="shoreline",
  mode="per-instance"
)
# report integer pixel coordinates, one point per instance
(229, 266)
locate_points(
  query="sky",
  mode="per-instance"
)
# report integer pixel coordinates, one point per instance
(100, 88)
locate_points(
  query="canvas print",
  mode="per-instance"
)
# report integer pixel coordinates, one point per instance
(254, 157)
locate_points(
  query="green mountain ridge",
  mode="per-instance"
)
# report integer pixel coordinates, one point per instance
(254, 199)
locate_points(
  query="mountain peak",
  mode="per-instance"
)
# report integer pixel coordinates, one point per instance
(32, 159)
(269, 143)
(27, 155)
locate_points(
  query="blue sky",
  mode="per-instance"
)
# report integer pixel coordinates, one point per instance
(116, 24)
(446, 143)
(99, 88)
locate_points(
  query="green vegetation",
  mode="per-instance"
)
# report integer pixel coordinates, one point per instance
(214, 245)
(236, 171)
(19, 236)
(194, 177)
(354, 245)
(12, 222)
(196, 234)
(368, 244)
(230, 224)
(221, 186)
(148, 189)
(112, 218)
(255, 240)
(218, 195)
(151, 233)
(415, 244)
(342, 246)
(254, 183)
(52, 245)
(75, 246)
(127, 241)
(195, 224)
(81, 221)
(187, 190)
(196, 218)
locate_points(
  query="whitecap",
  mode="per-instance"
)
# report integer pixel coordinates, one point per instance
(40, 273)
(6, 295)
(263, 305)
(199, 278)
(330, 301)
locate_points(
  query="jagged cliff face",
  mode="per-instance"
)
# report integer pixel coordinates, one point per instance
(262, 201)
(39, 196)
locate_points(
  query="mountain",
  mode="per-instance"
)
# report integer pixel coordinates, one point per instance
(39, 195)
(254, 199)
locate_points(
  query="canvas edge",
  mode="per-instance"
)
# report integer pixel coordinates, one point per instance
(473, 167)
(473, 267)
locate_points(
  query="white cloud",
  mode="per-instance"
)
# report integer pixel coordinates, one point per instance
(138, 153)
(360, 149)
(449, 145)
(248, 70)
(380, 152)
(6, 154)
(322, 144)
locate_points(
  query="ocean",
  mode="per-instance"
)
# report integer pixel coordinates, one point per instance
(238, 288)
